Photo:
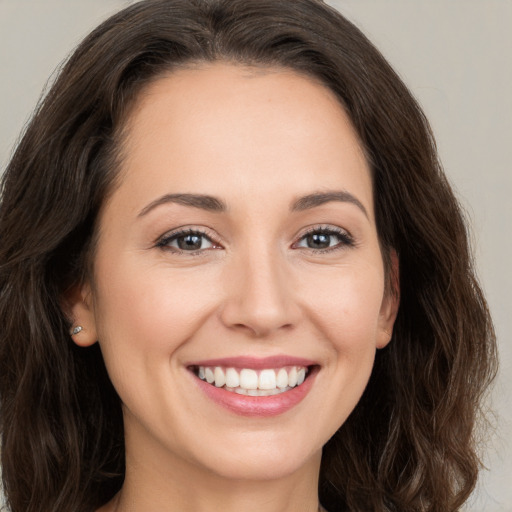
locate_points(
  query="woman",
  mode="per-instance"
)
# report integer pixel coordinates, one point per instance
(242, 279)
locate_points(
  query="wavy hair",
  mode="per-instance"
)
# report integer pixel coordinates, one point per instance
(410, 443)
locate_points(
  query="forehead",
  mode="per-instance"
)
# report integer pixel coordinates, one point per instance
(200, 127)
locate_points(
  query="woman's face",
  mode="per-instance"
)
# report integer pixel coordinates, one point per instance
(240, 244)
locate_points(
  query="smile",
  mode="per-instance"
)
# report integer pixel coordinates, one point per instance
(256, 387)
(252, 382)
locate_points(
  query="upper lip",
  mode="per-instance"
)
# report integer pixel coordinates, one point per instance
(256, 363)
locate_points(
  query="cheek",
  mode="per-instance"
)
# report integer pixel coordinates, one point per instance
(345, 304)
(148, 313)
(345, 310)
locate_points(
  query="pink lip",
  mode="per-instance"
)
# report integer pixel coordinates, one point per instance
(254, 362)
(262, 406)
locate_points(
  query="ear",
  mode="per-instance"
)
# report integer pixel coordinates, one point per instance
(78, 306)
(390, 303)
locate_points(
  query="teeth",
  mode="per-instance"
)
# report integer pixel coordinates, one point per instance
(267, 379)
(281, 381)
(220, 377)
(232, 378)
(292, 377)
(256, 392)
(209, 375)
(250, 382)
(248, 379)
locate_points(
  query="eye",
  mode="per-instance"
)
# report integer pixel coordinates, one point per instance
(187, 241)
(325, 239)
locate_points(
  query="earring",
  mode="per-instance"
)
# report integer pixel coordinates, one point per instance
(76, 330)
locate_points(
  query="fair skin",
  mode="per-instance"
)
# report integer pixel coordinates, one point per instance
(270, 274)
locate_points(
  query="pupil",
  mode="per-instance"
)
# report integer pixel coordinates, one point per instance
(318, 241)
(189, 242)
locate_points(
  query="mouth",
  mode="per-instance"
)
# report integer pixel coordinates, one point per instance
(253, 382)
(255, 387)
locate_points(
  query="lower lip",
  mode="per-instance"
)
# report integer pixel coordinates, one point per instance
(262, 406)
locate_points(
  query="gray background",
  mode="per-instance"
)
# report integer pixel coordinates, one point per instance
(456, 57)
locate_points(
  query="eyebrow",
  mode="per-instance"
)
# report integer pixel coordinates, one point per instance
(213, 204)
(320, 198)
(204, 202)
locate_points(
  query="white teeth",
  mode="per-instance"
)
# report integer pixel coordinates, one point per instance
(292, 377)
(220, 378)
(270, 392)
(262, 392)
(209, 375)
(250, 382)
(267, 379)
(248, 379)
(282, 378)
(232, 378)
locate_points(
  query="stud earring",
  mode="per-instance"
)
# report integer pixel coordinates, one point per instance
(76, 330)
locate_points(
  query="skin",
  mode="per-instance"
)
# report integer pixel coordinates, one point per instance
(257, 139)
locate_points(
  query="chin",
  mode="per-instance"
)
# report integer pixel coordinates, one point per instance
(264, 464)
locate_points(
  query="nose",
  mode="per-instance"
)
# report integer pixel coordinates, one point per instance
(260, 298)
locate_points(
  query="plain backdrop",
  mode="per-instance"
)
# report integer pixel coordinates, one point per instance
(456, 57)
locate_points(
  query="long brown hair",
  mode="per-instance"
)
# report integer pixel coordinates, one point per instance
(410, 443)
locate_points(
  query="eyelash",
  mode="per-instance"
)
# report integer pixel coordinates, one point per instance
(164, 242)
(345, 240)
